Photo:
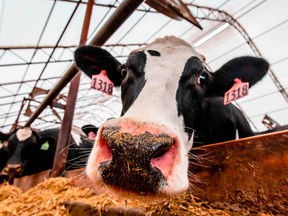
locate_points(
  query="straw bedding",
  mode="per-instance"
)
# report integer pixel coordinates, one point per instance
(49, 198)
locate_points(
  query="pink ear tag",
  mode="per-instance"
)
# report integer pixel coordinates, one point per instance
(102, 83)
(238, 90)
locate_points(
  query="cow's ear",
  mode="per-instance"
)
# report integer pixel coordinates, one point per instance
(247, 68)
(4, 136)
(91, 60)
(36, 135)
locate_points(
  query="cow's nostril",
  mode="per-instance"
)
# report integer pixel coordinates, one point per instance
(159, 149)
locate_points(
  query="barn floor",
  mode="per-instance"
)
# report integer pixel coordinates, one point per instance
(59, 196)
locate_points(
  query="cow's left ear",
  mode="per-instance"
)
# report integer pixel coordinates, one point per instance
(91, 60)
(247, 68)
(4, 136)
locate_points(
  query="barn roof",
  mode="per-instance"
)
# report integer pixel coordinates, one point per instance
(38, 38)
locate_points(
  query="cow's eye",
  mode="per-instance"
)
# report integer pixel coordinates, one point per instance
(123, 72)
(203, 79)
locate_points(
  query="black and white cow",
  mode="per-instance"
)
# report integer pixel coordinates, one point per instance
(31, 152)
(166, 93)
(3, 157)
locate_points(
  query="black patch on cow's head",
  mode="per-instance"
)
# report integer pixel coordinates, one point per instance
(197, 85)
(134, 78)
(191, 92)
(153, 53)
(247, 68)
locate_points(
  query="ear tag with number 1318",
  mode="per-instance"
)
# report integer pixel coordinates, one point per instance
(237, 91)
(102, 83)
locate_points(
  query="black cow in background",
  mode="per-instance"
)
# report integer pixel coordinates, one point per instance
(31, 152)
(3, 157)
(3, 150)
(3, 162)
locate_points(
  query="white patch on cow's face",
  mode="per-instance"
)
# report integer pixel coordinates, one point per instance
(24, 133)
(157, 102)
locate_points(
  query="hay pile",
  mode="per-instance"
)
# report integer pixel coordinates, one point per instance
(49, 198)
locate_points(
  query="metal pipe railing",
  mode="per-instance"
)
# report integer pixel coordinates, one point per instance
(62, 148)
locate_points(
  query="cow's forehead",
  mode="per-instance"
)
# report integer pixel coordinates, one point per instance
(162, 74)
(24, 133)
(171, 45)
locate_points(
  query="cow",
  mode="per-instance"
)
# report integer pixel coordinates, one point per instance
(31, 152)
(3, 150)
(3, 162)
(3, 157)
(166, 92)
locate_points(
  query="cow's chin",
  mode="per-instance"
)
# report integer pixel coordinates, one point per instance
(176, 183)
(146, 197)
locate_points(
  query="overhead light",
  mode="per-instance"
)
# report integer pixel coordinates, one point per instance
(211, 35)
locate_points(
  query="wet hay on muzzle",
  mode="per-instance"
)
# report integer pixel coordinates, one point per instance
(59, 196)
(131, 161)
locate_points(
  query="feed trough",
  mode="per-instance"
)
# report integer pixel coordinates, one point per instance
(250, 173)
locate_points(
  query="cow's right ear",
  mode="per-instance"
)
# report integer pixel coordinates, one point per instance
(91, 60)
(247, 68)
